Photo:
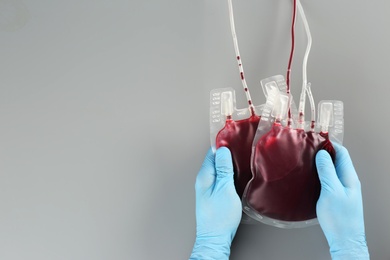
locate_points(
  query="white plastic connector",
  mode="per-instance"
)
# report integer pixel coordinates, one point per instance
(275, 96)
(279, 99)
(271, 82)
(326, 116)
(227, 105)
(280, 107)
(268, 86)
(284, 106)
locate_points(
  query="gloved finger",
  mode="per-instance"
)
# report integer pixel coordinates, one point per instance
(224, 165)
(206, 176)
(327, 172)
(344, 167)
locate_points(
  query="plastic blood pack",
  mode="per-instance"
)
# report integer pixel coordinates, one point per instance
(273, 147)
(235, 129)
(285, 187)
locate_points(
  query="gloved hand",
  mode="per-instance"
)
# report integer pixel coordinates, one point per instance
(218, 207)
(340, 206)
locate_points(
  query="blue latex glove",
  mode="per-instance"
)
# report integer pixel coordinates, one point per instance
(218, 207)
(340, 206)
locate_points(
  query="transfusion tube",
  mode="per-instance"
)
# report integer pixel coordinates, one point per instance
(312, 106)
(240, 66)
(305, 85)
(290, 60)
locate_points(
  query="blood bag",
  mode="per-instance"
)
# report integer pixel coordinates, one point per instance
(273, 148)
(235, 129)
(285, 187)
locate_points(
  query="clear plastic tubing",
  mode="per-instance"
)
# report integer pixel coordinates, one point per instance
(238, 57)
(305, 85)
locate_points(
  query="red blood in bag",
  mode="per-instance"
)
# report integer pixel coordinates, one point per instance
(238, 137)
(285, 184)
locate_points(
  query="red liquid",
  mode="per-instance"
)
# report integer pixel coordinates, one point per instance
(286, 185)
(238, 137)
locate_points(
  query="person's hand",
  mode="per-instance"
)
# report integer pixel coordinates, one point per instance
(218, 207)
(340, 206)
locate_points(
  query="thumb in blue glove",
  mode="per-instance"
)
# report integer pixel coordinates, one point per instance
(340, 206)
(218, 207)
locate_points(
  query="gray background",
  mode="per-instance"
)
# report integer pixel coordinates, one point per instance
(104, 119)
